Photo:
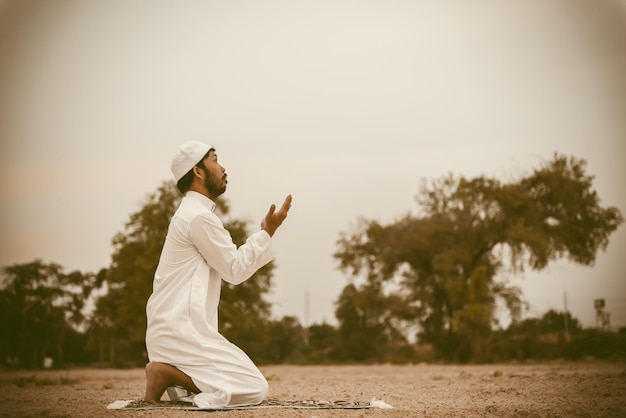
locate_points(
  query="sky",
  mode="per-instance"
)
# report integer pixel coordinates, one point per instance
(346, 105)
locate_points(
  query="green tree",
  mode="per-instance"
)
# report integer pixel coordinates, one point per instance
(370, 323)
(453, 261)
(322, 347)
(541, 338)
(473, 322)
(559, 323)
(286, 341)
(119, 323)
(40, 306)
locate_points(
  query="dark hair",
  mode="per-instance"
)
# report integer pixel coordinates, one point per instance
(185, 181)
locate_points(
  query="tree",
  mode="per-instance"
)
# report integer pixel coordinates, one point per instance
(370, 323)
(286, 340)
(541, 338)
(120, 317)
(40, 306)
(322, 347)
(453, 261)
(119, 325)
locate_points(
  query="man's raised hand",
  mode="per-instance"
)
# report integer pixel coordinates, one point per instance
(274, 219)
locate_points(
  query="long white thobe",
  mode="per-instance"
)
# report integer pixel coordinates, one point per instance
(182, 310)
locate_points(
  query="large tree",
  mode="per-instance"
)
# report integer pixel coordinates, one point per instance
(450, 264)
(119, 324)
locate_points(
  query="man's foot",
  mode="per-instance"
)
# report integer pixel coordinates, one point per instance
(160, 376)
(155, 382)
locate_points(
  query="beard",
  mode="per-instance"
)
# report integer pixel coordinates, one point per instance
(214, 186)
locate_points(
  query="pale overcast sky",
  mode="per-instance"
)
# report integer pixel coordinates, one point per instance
(346, 105)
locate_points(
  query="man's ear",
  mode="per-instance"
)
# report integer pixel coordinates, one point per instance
(196, 171)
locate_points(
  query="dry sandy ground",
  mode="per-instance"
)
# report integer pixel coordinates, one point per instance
(585, 389)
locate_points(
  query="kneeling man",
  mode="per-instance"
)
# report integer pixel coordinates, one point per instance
(184, 346)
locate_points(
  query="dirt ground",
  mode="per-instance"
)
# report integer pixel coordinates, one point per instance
(559, 389)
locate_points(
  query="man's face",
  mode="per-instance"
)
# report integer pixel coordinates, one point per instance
(215, 175)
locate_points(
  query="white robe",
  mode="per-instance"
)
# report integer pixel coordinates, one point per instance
(182, 310)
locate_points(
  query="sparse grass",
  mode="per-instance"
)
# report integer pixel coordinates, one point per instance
(33, 380)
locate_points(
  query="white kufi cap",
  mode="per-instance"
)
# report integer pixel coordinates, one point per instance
(186, 156)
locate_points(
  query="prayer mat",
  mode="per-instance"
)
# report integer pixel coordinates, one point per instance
(137, 405)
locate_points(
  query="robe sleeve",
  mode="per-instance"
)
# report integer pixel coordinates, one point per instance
(215, 244)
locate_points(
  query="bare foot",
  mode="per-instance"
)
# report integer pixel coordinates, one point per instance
(160, 376)
(155, 383)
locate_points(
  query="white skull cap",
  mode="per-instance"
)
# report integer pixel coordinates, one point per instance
(186, 156)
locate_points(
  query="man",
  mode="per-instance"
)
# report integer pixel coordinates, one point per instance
(184, 346)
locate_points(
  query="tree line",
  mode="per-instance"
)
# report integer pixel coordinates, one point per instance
(422, 288)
